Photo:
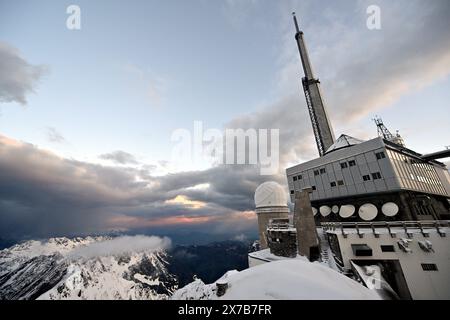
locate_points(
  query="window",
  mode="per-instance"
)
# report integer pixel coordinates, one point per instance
(313, 187)
(361, 250)
(376, 175)
(366, 177)
(295, 178)
(344, 165)
(380, 155)
(316, 172)
(429, 267)
(340, 183)
(299, 177)
(387, 248)
(352, 163)
(333, 184)
(322, 171)
(292, 191)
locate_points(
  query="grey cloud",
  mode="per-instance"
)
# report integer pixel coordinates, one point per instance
(42, 194)
(411, 50)
(54, 136)
(18, 78)
(120, 157)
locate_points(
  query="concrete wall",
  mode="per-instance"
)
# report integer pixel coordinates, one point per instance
(422, 284)
(264, 216)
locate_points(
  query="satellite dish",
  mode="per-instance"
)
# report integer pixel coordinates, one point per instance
(389, 209)
(347, 211)
(314, 210)
(325, 210)
(368, 212)
(335, 209)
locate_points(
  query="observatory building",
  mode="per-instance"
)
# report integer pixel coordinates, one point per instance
(374, 210)
(373, 180)
(271, 203)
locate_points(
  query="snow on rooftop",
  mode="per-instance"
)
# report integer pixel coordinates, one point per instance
(293, 279)
(266, 255)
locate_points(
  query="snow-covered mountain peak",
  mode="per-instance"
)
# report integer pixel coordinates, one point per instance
(87, 268)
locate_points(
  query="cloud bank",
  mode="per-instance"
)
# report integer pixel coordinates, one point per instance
(42, 194)
(121, 245)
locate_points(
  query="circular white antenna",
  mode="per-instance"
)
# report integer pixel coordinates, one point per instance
(335, 209)
(368, 212)
(389, 209)
(325, 210)
(314, 210)
(347, 210)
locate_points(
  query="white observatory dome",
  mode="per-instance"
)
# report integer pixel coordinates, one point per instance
(270, 194)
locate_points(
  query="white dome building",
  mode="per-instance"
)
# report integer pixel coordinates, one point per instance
(270, 194)
(270, 202)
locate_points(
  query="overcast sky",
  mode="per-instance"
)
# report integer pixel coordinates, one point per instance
(86, 116)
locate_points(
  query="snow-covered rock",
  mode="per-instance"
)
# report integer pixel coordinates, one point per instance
(196, 290)
(285, 280)
(87, 268)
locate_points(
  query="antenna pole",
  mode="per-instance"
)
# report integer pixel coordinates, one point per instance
(322, 129)
(295, 22)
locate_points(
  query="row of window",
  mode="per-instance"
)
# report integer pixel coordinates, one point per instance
(375, 176)
(339, 183)
(344, 165)
(350, 163)
(364, 250)
(320, 171)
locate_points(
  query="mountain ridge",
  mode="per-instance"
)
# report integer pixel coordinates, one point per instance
(49, 270)
(111, 267)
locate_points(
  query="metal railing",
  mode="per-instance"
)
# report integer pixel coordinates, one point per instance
(407, 226)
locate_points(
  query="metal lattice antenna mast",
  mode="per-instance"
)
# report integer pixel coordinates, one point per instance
(384, 132)
(323, 132)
